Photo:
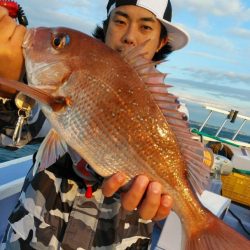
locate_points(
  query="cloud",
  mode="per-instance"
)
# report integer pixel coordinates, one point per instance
(221, 8)
(77, 14)
(240, 32)
(205, 85)
(215, 41)
(209, 87)
(205, 92)
(218, 76)
(211, 56)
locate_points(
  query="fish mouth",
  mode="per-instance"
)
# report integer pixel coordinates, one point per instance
(28, 38)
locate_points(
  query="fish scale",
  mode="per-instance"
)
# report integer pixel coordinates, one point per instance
(109, 117)
(109, 124)
(105, 139)
(145, 135)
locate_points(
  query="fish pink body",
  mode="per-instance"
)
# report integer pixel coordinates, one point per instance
(118, 122)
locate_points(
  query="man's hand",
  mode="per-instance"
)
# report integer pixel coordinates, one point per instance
(144, 195)
(11, 57)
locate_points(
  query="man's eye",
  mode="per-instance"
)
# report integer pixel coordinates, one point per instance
(146, 27)
(117, 21)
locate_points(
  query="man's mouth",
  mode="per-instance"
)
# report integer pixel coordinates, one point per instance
(120, 50)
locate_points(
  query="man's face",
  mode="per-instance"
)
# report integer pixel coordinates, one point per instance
(130, 26)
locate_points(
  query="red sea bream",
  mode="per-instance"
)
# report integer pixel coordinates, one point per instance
(119, 116)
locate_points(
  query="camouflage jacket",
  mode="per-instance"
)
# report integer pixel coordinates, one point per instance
(53, 212)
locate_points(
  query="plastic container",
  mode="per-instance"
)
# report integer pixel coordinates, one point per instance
(236, 187)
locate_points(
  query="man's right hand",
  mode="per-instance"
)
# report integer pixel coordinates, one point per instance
(11, 56)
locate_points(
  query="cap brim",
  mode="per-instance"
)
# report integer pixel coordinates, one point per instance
(178, 38)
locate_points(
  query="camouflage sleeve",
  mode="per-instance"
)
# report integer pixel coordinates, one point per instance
(54, 213)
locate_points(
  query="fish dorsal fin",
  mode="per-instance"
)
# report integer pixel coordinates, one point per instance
(198, 159)
(51, 149)
(145, 68)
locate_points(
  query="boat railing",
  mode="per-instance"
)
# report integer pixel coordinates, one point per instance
(231, 116)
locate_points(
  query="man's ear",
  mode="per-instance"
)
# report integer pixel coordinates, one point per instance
(162, 43)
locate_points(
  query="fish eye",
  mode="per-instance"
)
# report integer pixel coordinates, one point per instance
(59, 41)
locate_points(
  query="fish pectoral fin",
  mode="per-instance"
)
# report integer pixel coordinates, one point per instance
(51, 149)
(56, 103)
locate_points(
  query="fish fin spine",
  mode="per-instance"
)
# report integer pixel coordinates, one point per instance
(198, 166)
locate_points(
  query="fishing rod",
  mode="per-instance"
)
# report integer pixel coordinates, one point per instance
(15, 11)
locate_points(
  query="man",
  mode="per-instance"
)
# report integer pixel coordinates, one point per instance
(69, 211)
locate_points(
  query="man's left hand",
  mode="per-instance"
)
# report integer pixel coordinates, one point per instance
(144, 195)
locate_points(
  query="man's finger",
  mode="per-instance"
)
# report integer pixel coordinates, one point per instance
(164, 208)
(17, 37)
(3, 12)
(7, 27)
(112, 184)
(131, 199)
(151, 202)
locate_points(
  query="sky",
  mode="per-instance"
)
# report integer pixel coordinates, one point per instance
(213, 69)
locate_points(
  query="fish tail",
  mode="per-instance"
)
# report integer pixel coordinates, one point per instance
(217, 236)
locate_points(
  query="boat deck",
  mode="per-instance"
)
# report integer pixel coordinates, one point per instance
(12, 175)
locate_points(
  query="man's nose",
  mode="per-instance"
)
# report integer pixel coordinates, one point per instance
(129, 36)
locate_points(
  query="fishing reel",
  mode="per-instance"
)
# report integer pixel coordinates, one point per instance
(15, 11)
